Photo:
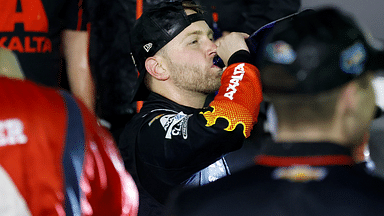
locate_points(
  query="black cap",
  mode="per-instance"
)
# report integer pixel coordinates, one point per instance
(153, 30)
(316, 52)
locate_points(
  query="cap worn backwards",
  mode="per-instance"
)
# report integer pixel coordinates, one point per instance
(152, 31)
(316, 52)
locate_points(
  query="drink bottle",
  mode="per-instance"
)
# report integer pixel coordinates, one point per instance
(256, 40)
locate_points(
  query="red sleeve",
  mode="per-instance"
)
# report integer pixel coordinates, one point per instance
(107, 187)
(239, 97)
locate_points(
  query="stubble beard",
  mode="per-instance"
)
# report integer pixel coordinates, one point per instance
(195, 78)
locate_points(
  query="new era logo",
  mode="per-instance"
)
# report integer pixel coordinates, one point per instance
(147, 46)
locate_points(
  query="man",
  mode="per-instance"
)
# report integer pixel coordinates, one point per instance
(37, 31)
(54, 157)
(317, 72)
(174, 139)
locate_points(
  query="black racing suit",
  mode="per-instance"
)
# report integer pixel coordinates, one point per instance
(291, 179)
(176, 144)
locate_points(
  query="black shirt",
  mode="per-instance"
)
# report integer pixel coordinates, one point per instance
(173, 143)
(32, 29)
(289, 179)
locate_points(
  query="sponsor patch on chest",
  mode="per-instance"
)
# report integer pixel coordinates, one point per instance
(175, 125)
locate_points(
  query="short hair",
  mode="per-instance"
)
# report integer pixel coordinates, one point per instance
(320, 108)
(193, 6)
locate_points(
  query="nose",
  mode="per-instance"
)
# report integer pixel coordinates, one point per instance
(212, 48)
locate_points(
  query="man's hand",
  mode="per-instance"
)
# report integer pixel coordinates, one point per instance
(229, 44)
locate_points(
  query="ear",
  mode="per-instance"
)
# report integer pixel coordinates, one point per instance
(349, 98)
(156, 69)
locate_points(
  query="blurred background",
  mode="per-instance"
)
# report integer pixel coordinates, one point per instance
(369, 12)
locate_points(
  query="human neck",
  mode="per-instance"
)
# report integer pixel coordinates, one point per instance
(311, 133)
(190, 99)
(186, 98)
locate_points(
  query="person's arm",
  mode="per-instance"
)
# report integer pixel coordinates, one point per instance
(239, 97)
(75, 47)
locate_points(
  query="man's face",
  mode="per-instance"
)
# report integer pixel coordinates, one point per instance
(189, 58)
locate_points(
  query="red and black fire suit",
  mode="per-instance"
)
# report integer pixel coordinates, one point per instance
(55, 159)
(290, 179)
(176, 144)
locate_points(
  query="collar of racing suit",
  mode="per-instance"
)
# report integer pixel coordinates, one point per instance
(311, 154)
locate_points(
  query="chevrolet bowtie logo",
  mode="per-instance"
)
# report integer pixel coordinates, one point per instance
(147, 46)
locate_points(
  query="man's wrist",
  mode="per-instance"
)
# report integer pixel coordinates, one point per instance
(241, 56)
